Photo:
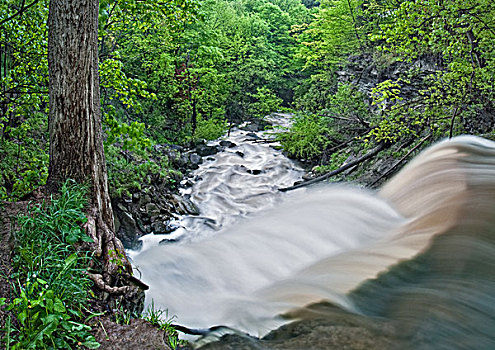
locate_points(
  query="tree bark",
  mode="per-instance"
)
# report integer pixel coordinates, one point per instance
(76, 140)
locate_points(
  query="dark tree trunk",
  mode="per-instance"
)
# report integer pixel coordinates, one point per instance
(194, 117)
(76, 143)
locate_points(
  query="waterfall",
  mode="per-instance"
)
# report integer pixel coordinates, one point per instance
(420, 252)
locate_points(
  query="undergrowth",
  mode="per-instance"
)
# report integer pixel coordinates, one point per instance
(50, 287)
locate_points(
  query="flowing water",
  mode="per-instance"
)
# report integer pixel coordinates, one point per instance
(420, 252)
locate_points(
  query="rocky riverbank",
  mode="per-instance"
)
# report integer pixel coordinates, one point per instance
(157, 206)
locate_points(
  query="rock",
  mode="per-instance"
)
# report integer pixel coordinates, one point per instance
(182, 161)
(167, 241)
(128, 232)
(139, 334)
(140, 224)
(121, 207)
(253, 136)
(254, 172)
(144, 200)
(146, 218)
(160, 227)
(204, 150)
(157, 217)
(256, 125)
(250, 127)
(116, 223)
(308, 176)
(135, 197)
(184, 205)
(240, 154)
(186, 183)
(195, 159)
(151, 207)
(227, 144)
(336, 331)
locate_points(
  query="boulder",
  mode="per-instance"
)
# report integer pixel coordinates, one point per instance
(128, 231)
(205, 150)
(161, 227)
(184, 205)
(227, 144)
(195, 159)
(253, 136)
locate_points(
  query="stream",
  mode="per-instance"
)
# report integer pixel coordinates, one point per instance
(420, 252)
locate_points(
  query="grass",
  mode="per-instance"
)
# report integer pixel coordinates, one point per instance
(51, 289)
(157, 317)
(160, 318)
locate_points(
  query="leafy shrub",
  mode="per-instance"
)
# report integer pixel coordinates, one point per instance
(265, 102)
(210, 129)
(349, 102)
(129, 171)
(23, 155)
(307, 138)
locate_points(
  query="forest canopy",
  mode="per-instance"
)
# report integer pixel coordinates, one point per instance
(178, 72)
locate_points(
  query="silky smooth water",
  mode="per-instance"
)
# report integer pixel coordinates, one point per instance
(420, 252)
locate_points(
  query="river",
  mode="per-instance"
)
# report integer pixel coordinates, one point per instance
(419, 252)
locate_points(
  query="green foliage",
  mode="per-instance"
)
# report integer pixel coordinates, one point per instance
(229, 65)
(460, 36)
(265, 102)
(23, 98)
(307, 138)
(210, 129)
(335, 33)
(130, 136)
(348, 102)
(314, 93)
(130, 171)
(337, 159)
(23, 59)
(52, 288)
(23, 157)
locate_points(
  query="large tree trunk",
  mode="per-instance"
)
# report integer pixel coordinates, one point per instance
(76, 144)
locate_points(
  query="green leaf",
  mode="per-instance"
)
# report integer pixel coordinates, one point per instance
(86, 238)
(58, 306)
(41, 281)
(91, 344)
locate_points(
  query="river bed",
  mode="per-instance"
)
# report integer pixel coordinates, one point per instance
(419, 252)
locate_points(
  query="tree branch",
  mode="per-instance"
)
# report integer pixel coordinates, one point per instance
(401, 160)
(343, 168)
(18, 13)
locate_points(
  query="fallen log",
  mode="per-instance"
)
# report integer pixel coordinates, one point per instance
(401, 160)
(343, 168)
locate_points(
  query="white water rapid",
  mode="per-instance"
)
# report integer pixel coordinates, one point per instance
(420, 252)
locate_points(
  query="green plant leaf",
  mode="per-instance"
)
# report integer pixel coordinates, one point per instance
(91, 344)
(58, 306)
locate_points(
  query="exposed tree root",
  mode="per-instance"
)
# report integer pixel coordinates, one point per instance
(116, 277)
